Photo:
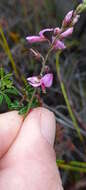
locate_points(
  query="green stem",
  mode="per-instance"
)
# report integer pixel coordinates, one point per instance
(66, 97)
(47, 55)
(31, 101)
(45, 60)
(1, 73)
(42, 70)
(73, 165)
(8, 52)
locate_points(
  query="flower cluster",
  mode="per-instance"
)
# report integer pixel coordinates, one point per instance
(55, 37)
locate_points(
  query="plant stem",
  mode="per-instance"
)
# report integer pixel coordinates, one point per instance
(8, 52)
(30, 103)
(66, 97)
(72, 165)
(45, 60)
(42, 70)
(44, 63)
(2, 73)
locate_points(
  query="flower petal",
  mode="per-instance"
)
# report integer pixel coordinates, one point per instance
(47, 34)
(33, 39)
(47, 80)
(67, 33)
(34, 81)
(41, 33)
(59, 45)
(68, 18)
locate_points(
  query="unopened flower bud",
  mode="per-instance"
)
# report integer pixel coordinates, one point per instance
(68, 18)
(81, 7)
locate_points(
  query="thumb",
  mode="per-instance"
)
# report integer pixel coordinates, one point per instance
(33, 151)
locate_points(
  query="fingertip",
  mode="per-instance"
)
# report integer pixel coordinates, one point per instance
(48, 125)
(46, 120)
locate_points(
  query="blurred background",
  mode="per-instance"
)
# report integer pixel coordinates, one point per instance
(20, 18)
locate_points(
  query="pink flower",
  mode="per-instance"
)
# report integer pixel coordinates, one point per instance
(45, 81)
(44, 35)
(47, 30)
(67, 33)
(34, 81)
(68, 18)
(58, 45)
(33, 39)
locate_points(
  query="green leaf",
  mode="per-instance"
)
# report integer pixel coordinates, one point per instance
(8, 76)
(8, 83)
(23, 110)
(15, 105)
(12, 90)
(29, 90)
(7, 99)
(1, 99)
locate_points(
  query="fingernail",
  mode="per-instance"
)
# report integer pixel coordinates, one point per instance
(48, 125)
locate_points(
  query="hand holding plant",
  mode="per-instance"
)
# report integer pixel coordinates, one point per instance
(29, 97)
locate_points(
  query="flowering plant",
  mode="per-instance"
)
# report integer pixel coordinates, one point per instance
(55, 38)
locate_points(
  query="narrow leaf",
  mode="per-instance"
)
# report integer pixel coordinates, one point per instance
(23, 110)
(1, 99)
(7, 99)
(12, 90)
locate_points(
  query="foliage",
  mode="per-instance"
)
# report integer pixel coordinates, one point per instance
(8, 91)
(6, 88)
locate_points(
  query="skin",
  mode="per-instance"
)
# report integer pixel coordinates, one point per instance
(27, 157)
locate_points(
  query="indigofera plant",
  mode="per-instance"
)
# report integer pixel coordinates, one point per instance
(55, 37)
(29, 97)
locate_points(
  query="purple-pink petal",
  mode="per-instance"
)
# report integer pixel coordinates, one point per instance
(67, 33)
(47, 80)
(34, 81)
(33, 39)
(59, 45)
(68, 18)
(45, 30)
